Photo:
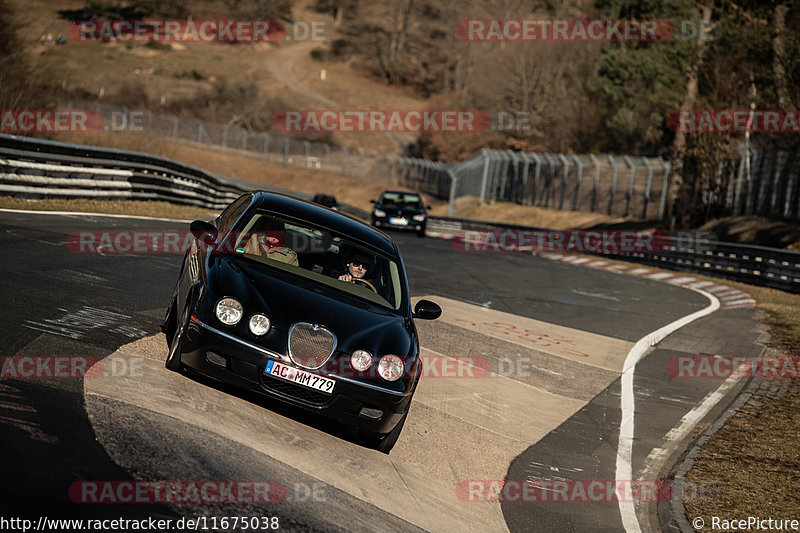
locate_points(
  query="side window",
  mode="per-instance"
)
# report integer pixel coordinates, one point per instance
(231, 214)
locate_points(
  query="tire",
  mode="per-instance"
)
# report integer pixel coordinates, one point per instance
(173, 361)
(384, 442)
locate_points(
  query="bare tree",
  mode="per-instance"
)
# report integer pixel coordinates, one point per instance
(677, 192)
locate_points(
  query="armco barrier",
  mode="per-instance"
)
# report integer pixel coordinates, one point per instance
(40, 168)
(752, 264)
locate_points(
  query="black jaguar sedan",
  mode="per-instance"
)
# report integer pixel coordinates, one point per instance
(303, 304)
(400, 210)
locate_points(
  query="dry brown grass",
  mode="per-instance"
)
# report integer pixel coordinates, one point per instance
(136, 208)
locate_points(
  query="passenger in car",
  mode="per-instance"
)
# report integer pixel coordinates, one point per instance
(270, 244)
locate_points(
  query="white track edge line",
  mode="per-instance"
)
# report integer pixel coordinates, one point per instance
(624, 469)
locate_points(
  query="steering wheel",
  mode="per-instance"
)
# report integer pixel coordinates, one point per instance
(363, 282)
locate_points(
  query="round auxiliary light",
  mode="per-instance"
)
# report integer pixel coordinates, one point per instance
(390, 367)
(229, 311)
(361, 360)
(259, 324)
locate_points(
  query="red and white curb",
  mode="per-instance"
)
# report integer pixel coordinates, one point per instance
(730, 298)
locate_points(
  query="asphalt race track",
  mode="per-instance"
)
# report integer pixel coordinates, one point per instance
(523, 384)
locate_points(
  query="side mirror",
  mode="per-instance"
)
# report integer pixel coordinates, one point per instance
(204, 231)
(427, 310)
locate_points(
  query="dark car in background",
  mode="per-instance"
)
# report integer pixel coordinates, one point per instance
(264, 302)
(400, 210)
(327, 200)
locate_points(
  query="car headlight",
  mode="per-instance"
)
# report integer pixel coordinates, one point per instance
(229, 311)
(259, 324)
(390, 367)
(361, 360)
(378, 213)
(419, 218)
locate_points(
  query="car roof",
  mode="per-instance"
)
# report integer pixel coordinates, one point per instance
(409, 193)
(321, 216)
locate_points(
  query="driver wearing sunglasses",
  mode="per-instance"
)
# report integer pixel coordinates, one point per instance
(357, 267)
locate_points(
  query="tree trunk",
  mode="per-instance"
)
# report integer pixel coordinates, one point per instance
(779, 56)
(397, 43)
(679, 195)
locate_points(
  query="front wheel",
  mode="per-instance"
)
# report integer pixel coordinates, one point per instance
(173, 361)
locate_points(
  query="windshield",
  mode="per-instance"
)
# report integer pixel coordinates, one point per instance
(400, 200)
(321, 255)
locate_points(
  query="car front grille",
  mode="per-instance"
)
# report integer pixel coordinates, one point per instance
(310, 345)
(296, 392)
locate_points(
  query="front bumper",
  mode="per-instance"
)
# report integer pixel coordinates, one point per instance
(410, 224)
(242, 364)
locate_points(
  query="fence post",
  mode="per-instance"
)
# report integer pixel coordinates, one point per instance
(737, 192)
(596, 164)
(266, 147)
(648, 186)
(781, 158)
(789, 187)
(451, 205)
(525, 171)
(613, 183)
(375, 167)
(390, 170)
(485, 153)
(762, 189)
(544, 199)
(307, 148)
(667, 167)
(224, 138)
(629, 194)
(536, 176)
(578, 178)
(286, 147)
(564, 176)
(245, 141)
(750, 201)
(344, 161)
(327, 160)
(174, 129)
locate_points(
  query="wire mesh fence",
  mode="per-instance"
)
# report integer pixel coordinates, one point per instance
(760, 177)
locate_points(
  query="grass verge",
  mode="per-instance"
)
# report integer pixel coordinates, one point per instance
(110, 207)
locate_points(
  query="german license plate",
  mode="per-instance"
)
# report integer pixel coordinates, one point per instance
(300, 377)
(398, 221)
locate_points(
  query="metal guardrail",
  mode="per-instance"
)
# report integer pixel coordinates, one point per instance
(41, 168)
(752, 264)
